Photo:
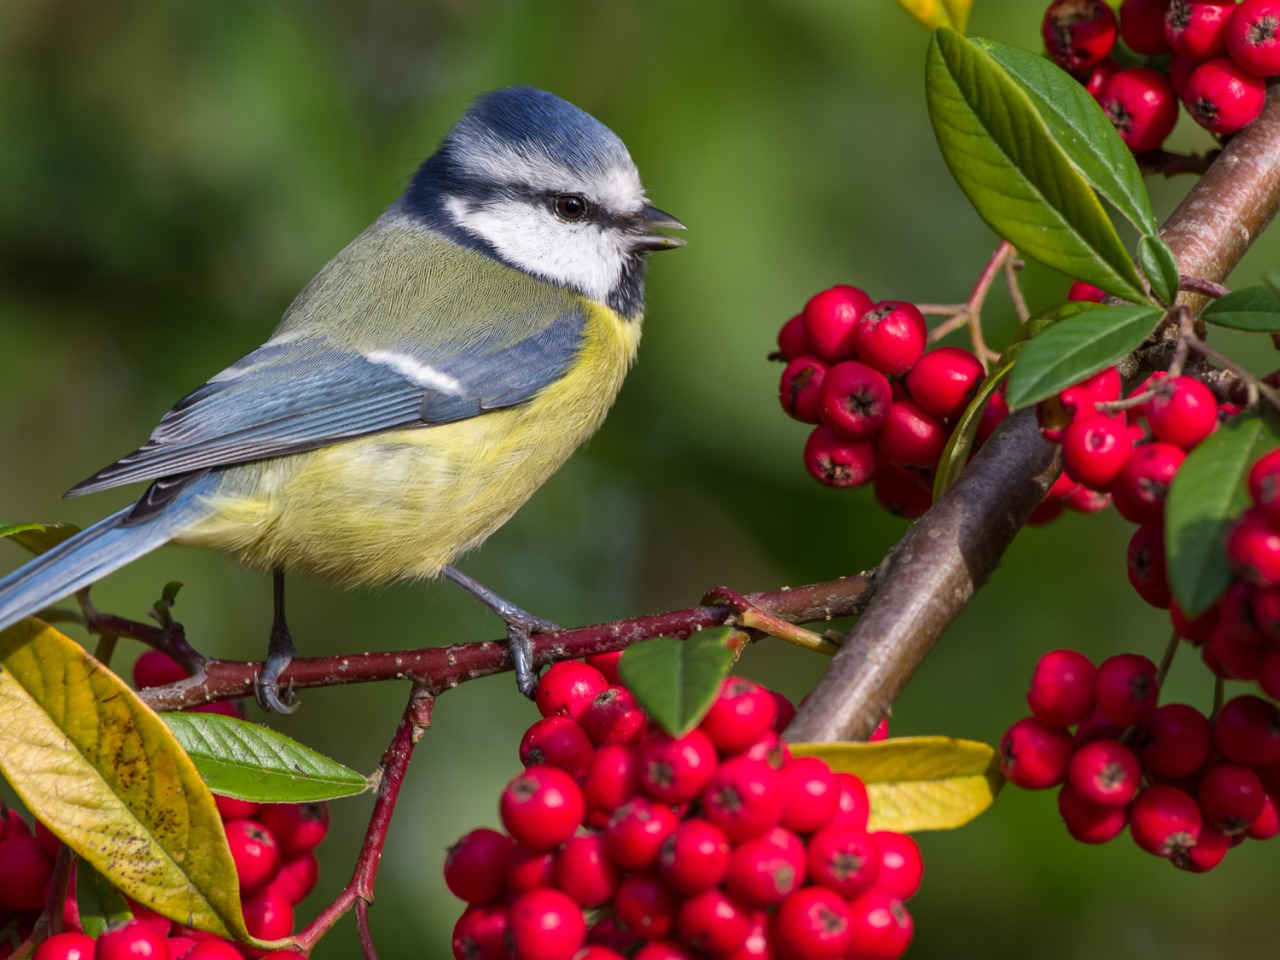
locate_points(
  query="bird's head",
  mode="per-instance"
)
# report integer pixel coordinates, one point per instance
(532, 180)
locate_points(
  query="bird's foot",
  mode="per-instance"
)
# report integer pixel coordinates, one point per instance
(520, 628)
(266, 686)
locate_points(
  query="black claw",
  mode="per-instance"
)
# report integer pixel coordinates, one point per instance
(265, 692)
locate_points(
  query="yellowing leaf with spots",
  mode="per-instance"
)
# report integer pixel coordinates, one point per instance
(104, 773)
(939, 13)
(917, 783)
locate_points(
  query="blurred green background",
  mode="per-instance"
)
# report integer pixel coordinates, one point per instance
(173, 173)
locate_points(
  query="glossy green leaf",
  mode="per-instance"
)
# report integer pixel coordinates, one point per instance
(1019, 180)
(1256, 309)
(1160, 267)
(38, 537)
(106, 776)
(956, 453)
(1075, 348)
(1209, 489)
(917, 783)
(251, 762)
(100, 904)
(1081, 129)
(676, 681)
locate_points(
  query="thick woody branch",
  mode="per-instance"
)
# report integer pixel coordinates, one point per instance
(931, 575)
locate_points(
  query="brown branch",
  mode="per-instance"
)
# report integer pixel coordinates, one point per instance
(440, 668)
(954, 548)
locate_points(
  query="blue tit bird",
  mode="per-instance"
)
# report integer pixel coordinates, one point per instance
(419, 389)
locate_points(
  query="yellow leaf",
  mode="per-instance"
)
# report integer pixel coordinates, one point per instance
(932, 13)
(917, 783)
(104, 773)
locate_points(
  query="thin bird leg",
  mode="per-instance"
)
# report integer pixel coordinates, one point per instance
(520, 624)
(280, 653)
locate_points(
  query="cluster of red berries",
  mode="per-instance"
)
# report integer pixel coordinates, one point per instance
(273, 848)
(623, 841)
(1221, 52)
(884, 407)
(1188, 788)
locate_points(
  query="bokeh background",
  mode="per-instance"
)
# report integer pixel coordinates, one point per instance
(171, 174)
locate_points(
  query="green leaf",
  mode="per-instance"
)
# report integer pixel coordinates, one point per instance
(105, 775)
(251, 762)
(1255, 309)
(917, 783)
(1209, 489)
(676, 681)
(1076, 347)
(1082, 130)
(38, 537)
(956, 454)
(100, 904)
(1019, 180)
(1160, 266)
(1272, 279)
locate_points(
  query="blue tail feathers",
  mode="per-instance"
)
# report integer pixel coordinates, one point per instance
(84, 559)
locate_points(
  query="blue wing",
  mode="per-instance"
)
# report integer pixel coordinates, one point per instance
(293, 395)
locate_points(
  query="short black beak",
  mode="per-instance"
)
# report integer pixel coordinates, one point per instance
(650, 219)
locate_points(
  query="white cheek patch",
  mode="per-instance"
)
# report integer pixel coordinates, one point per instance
(420, 373)
(582, 256)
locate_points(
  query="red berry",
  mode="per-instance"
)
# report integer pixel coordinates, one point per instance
(568, 688)
(1175, 742)
(1061, 693)
(945, 380)
(1180, 70)
(1197, 630)
(1264, 485)
(1222, 97)
(156, 669)
(1253, 548)
(229, 808)
(1164, 821)
(712, 923)
(675, 771)
(1267, 825)
(1183, 411)
(901, 866)
(135, 940)
(855, 400)
(853, 807)
(481, 934)
(220, 950)
(784, 713)
(762, 872)
(1253, 37)
(1078, 33)
(557, 741)
(694, 857)
(1143, 485)
(636, 832)
(911, 436)
(584, 872)
(837, 462)
(268, 915)
(1142, 25)
(1141, 106)
(1034, 756)
(891, 336)
(1096, 726)
(800, 389)
(1126, 688)
(607, 664)
(255, 852)
(475, 868)
(1081, 290)
(792, 340)
(542, 807)
(1247, 731)
(1091, 822)
(993, 415)
(744, 798)
(612, 776)
(530, 870)
(812, 924)
(881, 926)
(1231, 797)
(297, 878)
(645, 907)
(614, 716)
(1094, 450)
(545, 925)
(1211, 846)
(67, 946)
(1105, 771)
(881, 732)
(1145, 561)
(1197, 29)
(297, 827)
(844, 858)
(829, 320)
(905, 492)
(664, 950)
(811, 795)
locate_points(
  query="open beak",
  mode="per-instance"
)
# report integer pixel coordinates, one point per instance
(646, 222)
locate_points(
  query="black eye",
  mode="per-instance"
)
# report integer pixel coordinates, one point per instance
(570, 206)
